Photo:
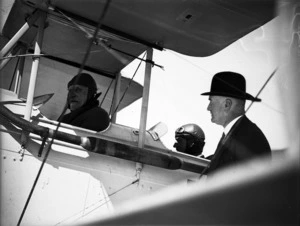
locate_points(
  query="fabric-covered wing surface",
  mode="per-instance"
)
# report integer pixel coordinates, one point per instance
(196, 28)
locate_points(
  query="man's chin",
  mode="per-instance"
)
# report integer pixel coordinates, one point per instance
(74, 106)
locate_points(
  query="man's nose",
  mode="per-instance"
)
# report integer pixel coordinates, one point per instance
(208, 107)
(72, 94)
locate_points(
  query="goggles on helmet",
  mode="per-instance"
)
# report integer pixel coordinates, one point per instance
(190, 131)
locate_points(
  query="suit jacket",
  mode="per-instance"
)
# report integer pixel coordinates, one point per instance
(243, 142)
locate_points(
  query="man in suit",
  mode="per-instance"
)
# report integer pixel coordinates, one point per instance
(242, 139)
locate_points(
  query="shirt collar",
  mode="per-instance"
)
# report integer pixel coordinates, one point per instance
(230, 125)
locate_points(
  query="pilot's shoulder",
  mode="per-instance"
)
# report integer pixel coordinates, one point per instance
(97, 110)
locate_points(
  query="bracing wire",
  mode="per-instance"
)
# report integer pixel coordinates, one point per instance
(129, 84)
(25, 55)
(94, 39)
(262, 88)
(95, 203)
(264, 85)
(133, 182)
(94, 35)
(108, 88)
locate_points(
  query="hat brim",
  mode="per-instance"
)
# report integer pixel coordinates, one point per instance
(247, 96)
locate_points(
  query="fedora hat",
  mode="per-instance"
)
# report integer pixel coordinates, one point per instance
(229, 84)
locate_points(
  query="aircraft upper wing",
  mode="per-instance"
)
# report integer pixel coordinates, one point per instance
(195, 28)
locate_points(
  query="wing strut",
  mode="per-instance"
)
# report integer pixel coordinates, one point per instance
(146, 90)
(5, 60)
(144, 110)
(35, 65)
(20, 33)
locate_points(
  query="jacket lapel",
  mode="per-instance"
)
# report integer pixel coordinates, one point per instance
(223, 144)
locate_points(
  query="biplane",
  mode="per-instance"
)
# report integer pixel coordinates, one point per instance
(51, 174)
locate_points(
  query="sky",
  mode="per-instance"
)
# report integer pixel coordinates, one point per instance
(175, 91)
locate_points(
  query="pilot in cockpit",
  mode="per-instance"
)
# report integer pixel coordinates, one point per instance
(190, 139)
(83, 104)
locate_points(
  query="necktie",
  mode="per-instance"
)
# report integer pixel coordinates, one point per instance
(221, 141)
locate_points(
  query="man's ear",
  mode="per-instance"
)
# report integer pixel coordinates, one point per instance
(228, 103)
